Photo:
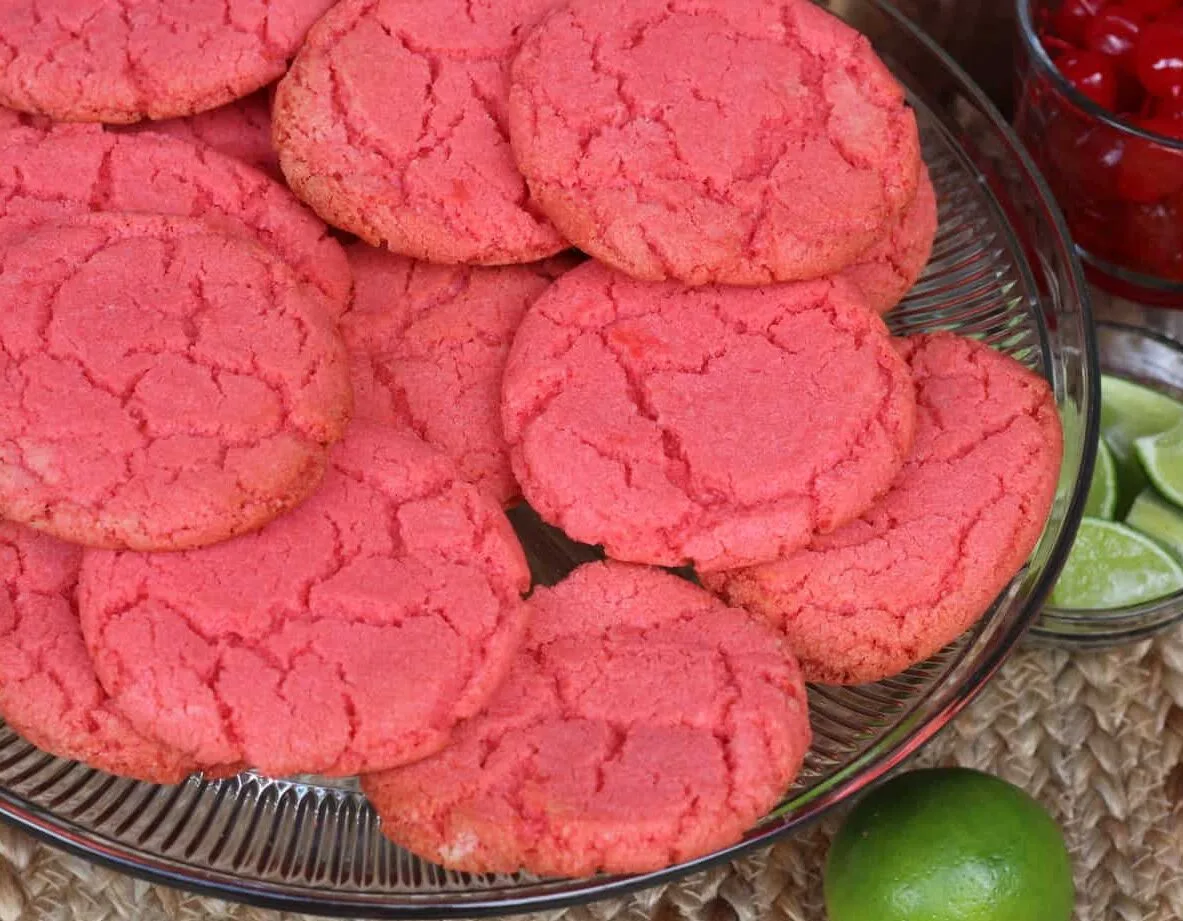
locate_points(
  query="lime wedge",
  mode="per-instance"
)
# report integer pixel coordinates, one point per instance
(1162, 459)
(1130, 411)
(1102, 498)
(1155, 516)
(1112, 566)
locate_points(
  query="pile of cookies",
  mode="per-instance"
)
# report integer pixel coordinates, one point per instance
(253, 470)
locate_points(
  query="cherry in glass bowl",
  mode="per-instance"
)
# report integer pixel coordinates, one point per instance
(1110, 148)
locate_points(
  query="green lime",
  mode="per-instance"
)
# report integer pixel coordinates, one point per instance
(1162, 459)
(1112, 566)
(948, 844)
(1155, 516)
(1131, 411)
(1102, 498)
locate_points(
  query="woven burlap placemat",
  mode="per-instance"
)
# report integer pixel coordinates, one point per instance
(1097, 737)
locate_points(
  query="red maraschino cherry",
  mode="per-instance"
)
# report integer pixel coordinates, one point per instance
(1073, 16)
(1150, 9)
(1092, 73)
(1158, 59)
(1114, 32)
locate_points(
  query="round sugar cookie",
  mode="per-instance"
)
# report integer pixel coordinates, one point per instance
(48, 689)
(391, 124)
(348, 635)
(709, 141)
(162, 385)
(928, 559)
(718, 426)
(428, 345)
(119, 62)
(239, 129)
(644, 723)
(889, 269)
(53, 172)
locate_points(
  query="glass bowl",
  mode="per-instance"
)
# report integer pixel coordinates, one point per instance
(1121, 187)
(1003, 270)
(1148, 358)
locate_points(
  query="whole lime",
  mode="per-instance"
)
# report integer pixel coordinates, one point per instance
(948, 844)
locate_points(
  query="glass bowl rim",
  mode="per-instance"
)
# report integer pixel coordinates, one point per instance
(1130, 615)
(1039, 54)
(870, 768)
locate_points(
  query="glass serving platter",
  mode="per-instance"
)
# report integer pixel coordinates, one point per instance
(1002, 270)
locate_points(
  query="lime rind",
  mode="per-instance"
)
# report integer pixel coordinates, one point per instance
(1102, 497)
(1113, 566)
(1157, 518)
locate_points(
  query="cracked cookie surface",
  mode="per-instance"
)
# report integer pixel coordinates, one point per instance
(889, 269)
(928, 559)
(120, 61)
(428, 345)
(709, 141)
(164, 385)
(48, 689)
(717, 425)
(391, 124)
(350, 634)
(52, 172)
(643, 723)
(239, 129)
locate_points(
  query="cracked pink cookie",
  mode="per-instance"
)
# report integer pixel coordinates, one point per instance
(47, 173)
(643, 723)
(928, 559)
(164, 386)
(240, 129)
(717, 426)
(350, 634)
(120, 61)
(887, 271)
(391, 124)
(428, 344)
(708, 141)
(48, 689)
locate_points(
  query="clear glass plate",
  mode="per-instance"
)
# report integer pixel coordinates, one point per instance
(1002, 270)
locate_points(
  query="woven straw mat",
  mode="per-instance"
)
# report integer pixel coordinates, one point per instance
(1097, 737)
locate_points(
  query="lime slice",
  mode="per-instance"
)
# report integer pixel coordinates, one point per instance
(1162, 459)
(1155, 516)
(1112, 566)
(1102, 498)
(1130, 411)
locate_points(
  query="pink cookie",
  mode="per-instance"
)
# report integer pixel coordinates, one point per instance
(429, 345)
(391, 124)
(717, 426)
(48, 689)
(118, 61)
(929, 558)
(712, 141)
(163, 385)
(351, 634)
(46, 173)
(887, 271)
(643, 724)
(240, 129)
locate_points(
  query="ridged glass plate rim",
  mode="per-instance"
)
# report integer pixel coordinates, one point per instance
(985, 652)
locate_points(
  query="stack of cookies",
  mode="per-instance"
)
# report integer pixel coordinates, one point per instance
(274, 360)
